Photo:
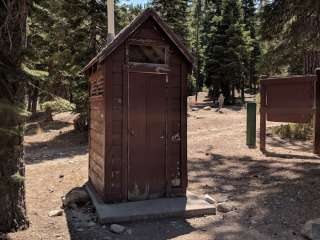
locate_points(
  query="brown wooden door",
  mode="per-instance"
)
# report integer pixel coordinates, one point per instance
(147, 136)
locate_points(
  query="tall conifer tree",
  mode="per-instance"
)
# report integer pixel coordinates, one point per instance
(13, 16)
(249, 14)
(198, 39)
(61, 43)
(211, 40)
(226, 51)
(175, 13)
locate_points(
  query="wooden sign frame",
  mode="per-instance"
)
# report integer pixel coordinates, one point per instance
(300, 103)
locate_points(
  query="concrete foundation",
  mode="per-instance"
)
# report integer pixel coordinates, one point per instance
(186, 207)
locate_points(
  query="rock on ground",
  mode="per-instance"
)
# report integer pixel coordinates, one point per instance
(228, 188)
(225, 207)
(223, 198)
(311, 229)
(55, 213)
(209, 199)
(116, 228)
(75, 196)
(91, 224)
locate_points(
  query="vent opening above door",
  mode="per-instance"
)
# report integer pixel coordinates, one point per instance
(147, 54)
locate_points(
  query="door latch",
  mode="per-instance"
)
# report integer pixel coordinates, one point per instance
(176, 138)
(132, 133)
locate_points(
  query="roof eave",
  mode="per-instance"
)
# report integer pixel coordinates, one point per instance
(131, 28)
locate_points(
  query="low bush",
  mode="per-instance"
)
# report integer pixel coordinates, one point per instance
(257, 99)
(293, 131)
(192, 85)
(81, 123)
(58, 105)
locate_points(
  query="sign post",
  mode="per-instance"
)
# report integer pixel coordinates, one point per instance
(316, 118)
(263, 120)
(251, 124)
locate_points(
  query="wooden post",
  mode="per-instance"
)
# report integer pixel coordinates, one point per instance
(262, 117)
(251, 124)
(316, 123)
(110, 14)
(198, 49)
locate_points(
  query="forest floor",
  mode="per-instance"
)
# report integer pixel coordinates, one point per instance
(272, 195)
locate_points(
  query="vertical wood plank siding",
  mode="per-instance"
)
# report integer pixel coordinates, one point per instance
(96, 132)
(311, 62)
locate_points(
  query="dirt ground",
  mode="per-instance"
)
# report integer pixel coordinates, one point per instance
(273, 195)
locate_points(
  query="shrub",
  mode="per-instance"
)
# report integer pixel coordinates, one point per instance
(58, 105)
(293, 131)
(192, 85)
(81, 100)
(258, 101)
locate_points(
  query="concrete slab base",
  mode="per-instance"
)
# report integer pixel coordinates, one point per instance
(187, 207)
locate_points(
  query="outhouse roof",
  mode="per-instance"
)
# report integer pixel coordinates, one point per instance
(126, 32)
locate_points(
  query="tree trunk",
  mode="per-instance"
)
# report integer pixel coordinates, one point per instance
(34, 99)
(226, 91)
(13, 15)
(49, 117)
(242, 90)
(232, 94)
(93, 28)
(29, 93)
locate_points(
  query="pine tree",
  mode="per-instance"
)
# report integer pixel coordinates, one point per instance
(249, 13)
(295, 21)
(12, 186)
(61, 44)
(226, 51)
(288, 26)
(196, 22)
(124, 14)
(175, 13)
(211, 34)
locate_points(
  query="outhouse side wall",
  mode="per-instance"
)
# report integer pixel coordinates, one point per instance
(96, 131)
(114, 124)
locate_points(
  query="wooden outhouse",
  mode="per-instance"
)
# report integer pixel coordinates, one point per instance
(138, 113)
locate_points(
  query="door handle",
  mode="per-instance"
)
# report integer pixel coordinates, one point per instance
(162, 137)
(176, 138)
(132, 133)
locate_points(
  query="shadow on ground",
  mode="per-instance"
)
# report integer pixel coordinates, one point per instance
(140, 230)
(273, 198)
(39, 127)
(68, 144)
(288, 155)
(4, 237)
(270, 195)
(275, 143)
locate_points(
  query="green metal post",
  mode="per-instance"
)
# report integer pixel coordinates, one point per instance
(251, 124)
